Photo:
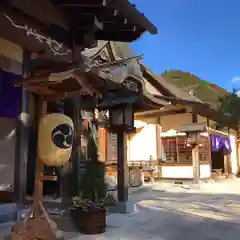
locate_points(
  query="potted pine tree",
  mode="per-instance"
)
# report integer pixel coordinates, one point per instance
(88, 210)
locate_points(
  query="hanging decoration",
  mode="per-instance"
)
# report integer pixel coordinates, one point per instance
(9, 95)
(55, 139)
(220, 142)
(53, 45)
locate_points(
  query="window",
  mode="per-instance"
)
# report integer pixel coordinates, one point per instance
(204, 150)
(112, 148)
(184, 151)
(169, 150)
(175, 150)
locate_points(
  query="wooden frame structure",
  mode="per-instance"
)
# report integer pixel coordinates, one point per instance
(173, 102)
(58, 66)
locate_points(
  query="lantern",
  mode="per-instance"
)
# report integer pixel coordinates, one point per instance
(121, 118)
(193, 133)
(55, 139)
(192, 138)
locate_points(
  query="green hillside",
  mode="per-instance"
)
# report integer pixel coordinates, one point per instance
(204, 90)
(123, 50)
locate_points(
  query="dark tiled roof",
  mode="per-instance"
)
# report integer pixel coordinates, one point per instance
(176, 91)
(203, 90)
(161, 84)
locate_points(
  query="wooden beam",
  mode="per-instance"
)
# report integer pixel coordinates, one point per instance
(42, 10)
(10, 65)
(194, 117)
(30, 35)
(48, 178)
(133, 15)
(161, 109)
(102, 144)
(63, 95)
(162, 113)
(22, 141)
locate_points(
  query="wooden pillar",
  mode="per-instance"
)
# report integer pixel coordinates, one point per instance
(237, 148)
(196, 164)
(158, 146)
(195, 155)
(230, 172)
(122, 168)
(209, 146)
(38, 186)
(77, 120)
(158, 140)
(102, 144)
(228, 157)
(21, 145)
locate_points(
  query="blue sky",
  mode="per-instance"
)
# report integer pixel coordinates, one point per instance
(198, 36)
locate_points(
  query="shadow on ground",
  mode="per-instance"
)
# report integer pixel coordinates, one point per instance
(170, 216)
(188, 216)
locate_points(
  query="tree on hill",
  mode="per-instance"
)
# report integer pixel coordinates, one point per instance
(204, 90)
(123, 50)
(229, 110)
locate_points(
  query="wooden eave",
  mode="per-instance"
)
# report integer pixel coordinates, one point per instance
(69, 83)
(146, 100)
(101, 82)
(202, 109)
(74, 24)
(152, 78)
(166, 88)
(189, 101)
(165, 110)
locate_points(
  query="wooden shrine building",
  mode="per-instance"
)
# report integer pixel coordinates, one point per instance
(218, 153)
(49, 54)
(159, 122)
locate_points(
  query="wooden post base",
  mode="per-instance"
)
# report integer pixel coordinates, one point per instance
(36, 228)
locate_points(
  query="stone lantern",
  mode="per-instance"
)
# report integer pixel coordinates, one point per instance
(193, 140)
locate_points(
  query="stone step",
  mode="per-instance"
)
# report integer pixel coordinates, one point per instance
(5, 229)
(8, 213)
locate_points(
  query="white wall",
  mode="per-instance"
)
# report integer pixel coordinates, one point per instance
(175, 122)
(233, 154)
(11, 52)
(185, 171)
(7, 150)
(143, 144)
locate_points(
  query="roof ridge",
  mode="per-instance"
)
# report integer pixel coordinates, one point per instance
(176, 90)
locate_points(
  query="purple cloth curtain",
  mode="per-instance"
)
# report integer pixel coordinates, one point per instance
(10, 97)
(220, 142)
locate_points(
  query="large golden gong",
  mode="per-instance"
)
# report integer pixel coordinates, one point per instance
(55, 139)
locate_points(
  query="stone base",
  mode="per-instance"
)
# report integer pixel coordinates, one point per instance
(195, 186)
(36, 229)
(231, 176)
(8, 213)
(122, 207)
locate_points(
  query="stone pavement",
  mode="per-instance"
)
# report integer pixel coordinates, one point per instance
(230, 186)
(175, 216)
